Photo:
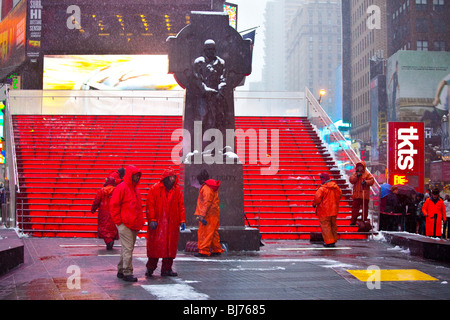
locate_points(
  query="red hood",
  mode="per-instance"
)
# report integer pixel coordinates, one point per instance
(167, 173)
(129, 171)
(363, 163)
(213, 184)
(115, 176)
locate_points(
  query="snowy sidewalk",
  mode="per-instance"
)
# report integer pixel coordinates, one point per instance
(81, 269)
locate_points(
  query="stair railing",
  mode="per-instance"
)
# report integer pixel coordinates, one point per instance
(12, 178)
(344, 156)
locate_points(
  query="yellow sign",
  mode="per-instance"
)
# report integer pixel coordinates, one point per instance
(392, 275)
(400, 180)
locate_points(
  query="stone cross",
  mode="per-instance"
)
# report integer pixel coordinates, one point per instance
(210, 59)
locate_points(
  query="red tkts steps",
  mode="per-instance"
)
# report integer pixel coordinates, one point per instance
(64, 159)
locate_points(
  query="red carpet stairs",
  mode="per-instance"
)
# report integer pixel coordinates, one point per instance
(63, 161)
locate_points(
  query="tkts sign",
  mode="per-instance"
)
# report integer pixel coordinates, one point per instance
(406, 155)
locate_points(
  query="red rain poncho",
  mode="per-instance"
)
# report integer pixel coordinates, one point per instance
(126, 202)
(166, 208)
(106, 227)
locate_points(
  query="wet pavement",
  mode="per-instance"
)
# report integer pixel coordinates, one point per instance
(82, 269)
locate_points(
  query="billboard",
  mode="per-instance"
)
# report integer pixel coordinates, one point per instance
(114, 27)
(378, 116)
(12, 39)
(107, 72)
(412, 82)
(406, 155)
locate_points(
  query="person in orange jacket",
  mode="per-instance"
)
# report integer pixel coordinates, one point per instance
(106, 229)
(362, 180)
(326, 201)
(434, 211)
(165, 216)
(126, 212)
(207, 214)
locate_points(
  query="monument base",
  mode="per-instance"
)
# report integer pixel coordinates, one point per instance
(231, 192)
(235, 238)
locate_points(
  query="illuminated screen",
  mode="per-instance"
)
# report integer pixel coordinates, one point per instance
(107, 72)
(231, 9)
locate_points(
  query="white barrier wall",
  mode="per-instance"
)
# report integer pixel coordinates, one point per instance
(147, 103)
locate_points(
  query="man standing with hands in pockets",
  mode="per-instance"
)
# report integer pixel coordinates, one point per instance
(126, 212)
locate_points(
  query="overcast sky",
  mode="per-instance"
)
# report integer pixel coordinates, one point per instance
(250, 15)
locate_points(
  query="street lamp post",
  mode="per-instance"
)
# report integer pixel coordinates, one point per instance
(322, 92)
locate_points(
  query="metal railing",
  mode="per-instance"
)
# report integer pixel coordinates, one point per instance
(344, 156)
(11, 174)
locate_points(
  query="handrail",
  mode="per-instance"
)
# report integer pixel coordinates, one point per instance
(339, 138)
(336, 133)
(11, 161)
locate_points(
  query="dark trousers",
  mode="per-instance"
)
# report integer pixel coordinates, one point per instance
(358, 205)
(446, 233)
(166, 264)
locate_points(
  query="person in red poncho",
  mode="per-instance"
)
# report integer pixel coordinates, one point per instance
(362, 180)
(207, 214)
(165, 215)
(126, 212)
(106, 228)
(434, 211)
(326, 200)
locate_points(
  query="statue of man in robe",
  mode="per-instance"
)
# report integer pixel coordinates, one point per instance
(210, 80)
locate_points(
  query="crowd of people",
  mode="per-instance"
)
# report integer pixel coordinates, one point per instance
(425, 214)
(414, 212)
(119, 205)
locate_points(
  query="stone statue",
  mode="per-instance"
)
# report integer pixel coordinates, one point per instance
(210, 59)
(210, 79)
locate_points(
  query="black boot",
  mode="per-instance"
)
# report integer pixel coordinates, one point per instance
(129, 278)
(169, 273)
(149, 273)
(110, 245)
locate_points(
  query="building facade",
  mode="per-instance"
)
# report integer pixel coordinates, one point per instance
(365, 37)
(314, 50)
(419, 25)
(33, 29)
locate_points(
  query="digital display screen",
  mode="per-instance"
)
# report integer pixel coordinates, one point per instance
(107, 72)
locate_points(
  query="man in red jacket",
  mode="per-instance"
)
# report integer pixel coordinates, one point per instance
(126, 212)
(165, 215)
(326, 200)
